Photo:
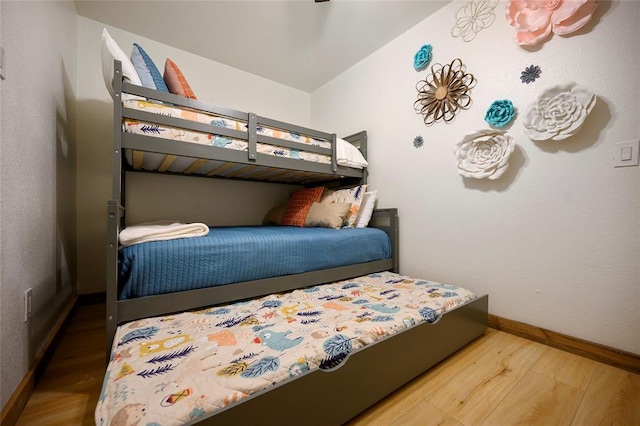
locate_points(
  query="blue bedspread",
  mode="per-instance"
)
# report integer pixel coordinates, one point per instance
(236, 254)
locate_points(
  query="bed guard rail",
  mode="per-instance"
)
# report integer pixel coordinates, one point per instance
(388, 221)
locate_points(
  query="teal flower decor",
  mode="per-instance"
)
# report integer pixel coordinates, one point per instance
(418, 141)
(500, 113)
(422, 57)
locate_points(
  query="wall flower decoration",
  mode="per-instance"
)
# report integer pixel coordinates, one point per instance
(422, 57)
(474, 17)
(534, 20)
(500, 113)
(530, 74)
(418, 141)
(559, 112)
(484, 154)
(444, 92)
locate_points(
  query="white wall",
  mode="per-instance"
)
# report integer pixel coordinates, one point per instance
(164, 197)
(37, 177)
(555, 242)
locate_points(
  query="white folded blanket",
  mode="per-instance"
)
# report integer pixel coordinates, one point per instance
(161, 230)
(349, 155)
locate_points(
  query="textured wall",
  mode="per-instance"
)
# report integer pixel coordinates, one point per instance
(555, 241)
(37, 177)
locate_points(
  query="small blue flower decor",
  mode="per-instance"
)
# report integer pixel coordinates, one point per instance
(530, 74)
(500, 113)
(422, 57)
(418, 141)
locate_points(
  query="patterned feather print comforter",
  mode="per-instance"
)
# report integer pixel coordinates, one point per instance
(181, 368)
(192, 136)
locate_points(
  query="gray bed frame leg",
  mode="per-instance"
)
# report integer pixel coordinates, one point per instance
(114, 215)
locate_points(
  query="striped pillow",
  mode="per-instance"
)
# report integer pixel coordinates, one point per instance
(299, 205)
(147, 70)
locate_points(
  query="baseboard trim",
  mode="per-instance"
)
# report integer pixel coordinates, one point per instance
(12, 410)
(605, 354)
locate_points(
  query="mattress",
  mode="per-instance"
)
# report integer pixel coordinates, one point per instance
(152, 161)
(237, 254)
(182, 368)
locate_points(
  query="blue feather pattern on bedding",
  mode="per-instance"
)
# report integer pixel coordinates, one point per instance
(235, 254)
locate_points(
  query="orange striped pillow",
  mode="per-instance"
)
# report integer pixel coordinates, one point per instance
(175, 80)
(299, 205)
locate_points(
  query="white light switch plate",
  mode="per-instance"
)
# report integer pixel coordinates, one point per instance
(626, 153)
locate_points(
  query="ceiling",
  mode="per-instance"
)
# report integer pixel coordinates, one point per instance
(299, 43)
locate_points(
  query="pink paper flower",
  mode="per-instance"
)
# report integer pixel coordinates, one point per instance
(535, 19)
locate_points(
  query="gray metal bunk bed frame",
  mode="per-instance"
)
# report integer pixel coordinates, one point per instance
(120, 311)
(349, 389)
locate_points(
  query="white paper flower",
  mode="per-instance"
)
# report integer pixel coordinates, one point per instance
(474, 17)
(559, 112)
(484, 154)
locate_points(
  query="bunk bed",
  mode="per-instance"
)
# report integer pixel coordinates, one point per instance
(251, 148)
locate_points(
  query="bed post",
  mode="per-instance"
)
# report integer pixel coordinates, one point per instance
(359, 140)
(388, 221)
(114, 213)
(115, 210)
(363, 150)
(117, 170)
(334, 160)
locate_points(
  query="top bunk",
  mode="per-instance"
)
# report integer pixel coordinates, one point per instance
(155, 131)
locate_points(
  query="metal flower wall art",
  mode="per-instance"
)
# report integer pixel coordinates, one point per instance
(484, 154)
(534, 20)
(474, 17)
(444, 92)
(559, 112)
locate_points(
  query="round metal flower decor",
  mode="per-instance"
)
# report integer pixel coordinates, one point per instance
(559, 112)
(484, 154)
(444, 92)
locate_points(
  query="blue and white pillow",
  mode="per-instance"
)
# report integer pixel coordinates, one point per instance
(147, 70)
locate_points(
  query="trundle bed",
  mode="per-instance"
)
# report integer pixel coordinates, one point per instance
(187, 345)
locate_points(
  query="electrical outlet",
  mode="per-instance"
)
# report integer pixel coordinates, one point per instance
(27, 304)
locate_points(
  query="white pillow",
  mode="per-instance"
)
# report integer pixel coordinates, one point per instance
(366, 209)
(348, 155)
(110, 52)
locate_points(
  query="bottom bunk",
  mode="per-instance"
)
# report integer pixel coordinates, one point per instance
(145, 304)
(316, 355)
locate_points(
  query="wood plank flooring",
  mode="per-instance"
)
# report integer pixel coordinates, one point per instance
(499, 379)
